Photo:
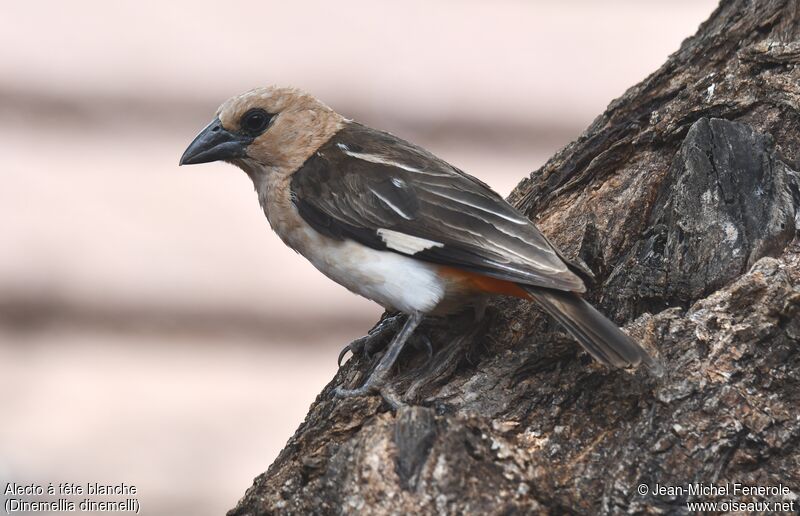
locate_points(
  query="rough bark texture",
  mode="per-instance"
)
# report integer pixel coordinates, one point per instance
(682, 199)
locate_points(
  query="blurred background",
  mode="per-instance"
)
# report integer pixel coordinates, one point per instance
(153, 330)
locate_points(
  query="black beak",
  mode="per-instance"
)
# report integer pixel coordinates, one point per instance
(215, 143)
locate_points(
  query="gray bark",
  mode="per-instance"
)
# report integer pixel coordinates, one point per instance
(682, 198)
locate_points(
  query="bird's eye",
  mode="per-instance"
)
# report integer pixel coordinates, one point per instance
(255, 121)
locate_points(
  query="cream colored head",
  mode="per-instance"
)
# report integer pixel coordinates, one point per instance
(266, 130)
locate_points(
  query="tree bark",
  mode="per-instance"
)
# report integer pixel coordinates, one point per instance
(682, 199)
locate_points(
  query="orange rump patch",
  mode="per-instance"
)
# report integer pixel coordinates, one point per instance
(481, 283)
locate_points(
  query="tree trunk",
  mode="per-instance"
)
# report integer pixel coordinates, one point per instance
(682, 199)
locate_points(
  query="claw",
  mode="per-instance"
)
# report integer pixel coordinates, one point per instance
(365, 389)
(372, 342)
(426, 343)
(386, 392)
(377, 379)
(342, 353)
(356, 348)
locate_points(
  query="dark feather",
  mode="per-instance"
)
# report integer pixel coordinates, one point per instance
(364, 180)
(598, 335)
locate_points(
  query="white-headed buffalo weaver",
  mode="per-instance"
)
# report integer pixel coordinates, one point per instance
(392, 222)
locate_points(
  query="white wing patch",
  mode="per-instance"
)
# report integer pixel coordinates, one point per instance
(406, 244)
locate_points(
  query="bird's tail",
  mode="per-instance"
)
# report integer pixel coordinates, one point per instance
(598, 335)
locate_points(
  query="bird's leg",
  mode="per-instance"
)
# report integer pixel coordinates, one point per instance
(373, 341)
(423, 342)
(480, 308)
(378, 376)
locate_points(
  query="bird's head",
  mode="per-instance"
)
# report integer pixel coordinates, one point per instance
(265, 130)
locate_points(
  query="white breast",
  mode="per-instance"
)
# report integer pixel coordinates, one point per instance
(388, 278)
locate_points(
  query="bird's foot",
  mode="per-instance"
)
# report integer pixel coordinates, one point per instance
(372, 386)
(377, 379)
(423, 342)
(374, 341)
(364, 390)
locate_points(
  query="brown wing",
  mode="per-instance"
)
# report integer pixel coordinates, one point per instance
(381, 191)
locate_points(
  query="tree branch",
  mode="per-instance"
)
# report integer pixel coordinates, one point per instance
(682, 198)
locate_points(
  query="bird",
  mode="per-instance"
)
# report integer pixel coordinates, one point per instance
(395, 224)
